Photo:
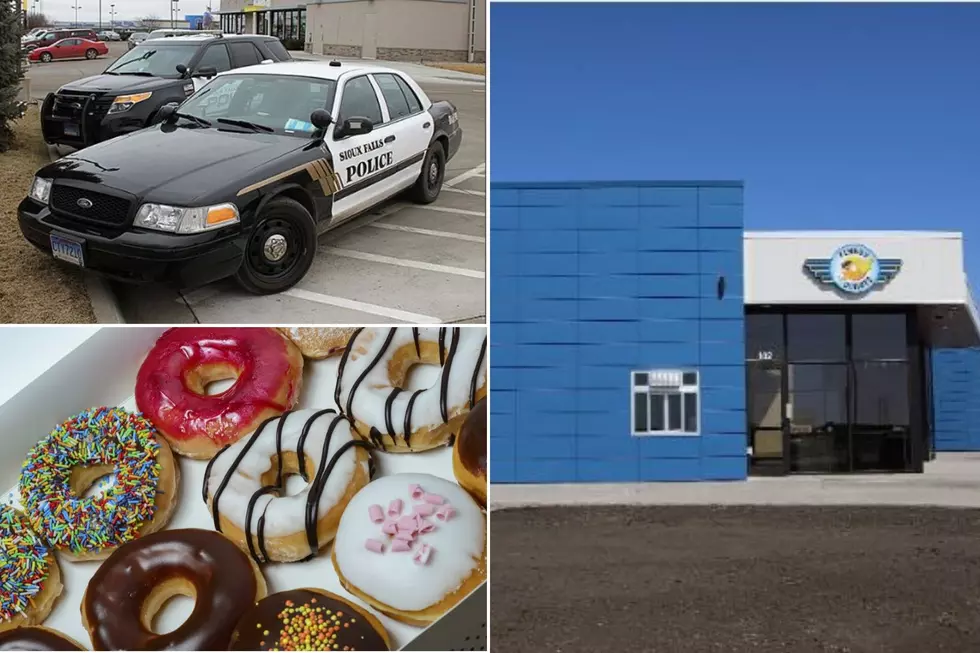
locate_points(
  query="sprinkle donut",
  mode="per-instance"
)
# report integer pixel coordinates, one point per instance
(138, 499)
(319, 342)
(243, 484)
(374, 369)
(171, 385)
(411, 546)
(309, 620)
(30, 580)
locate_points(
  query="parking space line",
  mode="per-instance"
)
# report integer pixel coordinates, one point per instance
(464, 192)
(194, 297)
(405, 263)
(466, 175)
(428, 232)
(364, 307)
(449, 209)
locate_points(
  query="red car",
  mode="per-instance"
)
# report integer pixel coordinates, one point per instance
(69, 49)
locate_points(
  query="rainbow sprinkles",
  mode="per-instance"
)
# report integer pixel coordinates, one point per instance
(123, 441)
(23, 564)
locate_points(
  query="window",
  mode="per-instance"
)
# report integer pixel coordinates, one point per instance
(360, 101)
(413, 100)
(68, 42)
(394, 97)
(878, 336)
(666, 402)
(217, 56)
(277, 50)
(245, 54)
(156, 58)
(816, 337)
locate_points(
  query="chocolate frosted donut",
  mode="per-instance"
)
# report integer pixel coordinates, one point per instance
(309, 620)
(470, 453)
(36, 638)
(133, 584)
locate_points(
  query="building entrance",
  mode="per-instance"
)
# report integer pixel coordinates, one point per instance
(835, 392)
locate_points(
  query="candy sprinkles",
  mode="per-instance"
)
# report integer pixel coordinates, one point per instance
(113, 437)
(23, 564)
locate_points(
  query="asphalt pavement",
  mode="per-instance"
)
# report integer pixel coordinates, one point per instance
(399, 263)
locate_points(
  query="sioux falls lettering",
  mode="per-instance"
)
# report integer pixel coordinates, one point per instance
(359, 150)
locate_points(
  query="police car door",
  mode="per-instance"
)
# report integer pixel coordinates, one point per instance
(363, 162)
(413, 127)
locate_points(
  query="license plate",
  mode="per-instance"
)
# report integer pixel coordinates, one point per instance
(68, 250)
(71, 129)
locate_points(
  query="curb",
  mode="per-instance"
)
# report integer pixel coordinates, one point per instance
(105, 304)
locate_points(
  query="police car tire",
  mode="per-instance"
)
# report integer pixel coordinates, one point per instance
(424, 192)
(291, 211)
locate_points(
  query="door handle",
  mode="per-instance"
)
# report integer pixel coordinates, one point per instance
(389, 139)
(426, 125)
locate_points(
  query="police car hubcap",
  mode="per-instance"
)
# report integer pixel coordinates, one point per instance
(275, 247)
(433, 172)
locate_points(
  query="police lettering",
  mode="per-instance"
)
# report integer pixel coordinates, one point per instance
(360, 150)
(372, 165)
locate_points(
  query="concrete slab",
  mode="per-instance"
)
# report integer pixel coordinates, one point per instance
(950, 480)
(414, 248)
(440, 221)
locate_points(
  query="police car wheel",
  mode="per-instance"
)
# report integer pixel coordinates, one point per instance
(429, 183)
(280, 250)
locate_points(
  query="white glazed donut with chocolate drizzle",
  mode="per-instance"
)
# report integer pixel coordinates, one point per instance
(372, 374)
(244, 484)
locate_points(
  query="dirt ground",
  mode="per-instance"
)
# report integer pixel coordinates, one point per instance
(475, 68)
(735, 579)
(33, 288)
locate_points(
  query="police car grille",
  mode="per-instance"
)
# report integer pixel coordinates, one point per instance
(69, 104)
(105, 209)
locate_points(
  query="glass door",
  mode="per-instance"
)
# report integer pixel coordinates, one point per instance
(767, 435)
(817, 418)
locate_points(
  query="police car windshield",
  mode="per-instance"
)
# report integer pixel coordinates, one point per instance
(280, 103)
(154, 58)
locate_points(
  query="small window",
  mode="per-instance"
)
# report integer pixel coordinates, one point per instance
(394, 96)
(279, 52)
(217, 56)
(413, 101)
(666, 402)
(244, 54)
(360, 101)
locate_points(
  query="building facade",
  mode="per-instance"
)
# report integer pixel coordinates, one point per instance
(640, 334)
(395, 30)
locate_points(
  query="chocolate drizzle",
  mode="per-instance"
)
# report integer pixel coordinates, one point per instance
(442, 345)
(447, 368)
(343, 364)
(418, 346)
(316, 489)
(388, 404)
(366, 371)
(408, 417)
(35, 638)
(476, 372)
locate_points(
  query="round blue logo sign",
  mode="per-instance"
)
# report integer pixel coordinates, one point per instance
(854, 268)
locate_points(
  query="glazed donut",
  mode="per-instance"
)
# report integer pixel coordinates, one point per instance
(411, 546)
(171, 385)
(139, 499)
(243, 484)
(128, 589)
(309, 620)
(319, 342)
(470, 454)
(37, 638)
(30, 580)
(375, 366)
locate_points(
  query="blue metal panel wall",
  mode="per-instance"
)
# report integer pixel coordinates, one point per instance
(956, 399)
(589, 282)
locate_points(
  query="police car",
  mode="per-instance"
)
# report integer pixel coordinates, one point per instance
(240, 178)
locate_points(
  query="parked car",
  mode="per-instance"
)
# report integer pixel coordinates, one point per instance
(52, 36)
(240, 178)
(33, 32)
(135, 39)
(109, 35)
(133, 88)
(69, 49)
(168, 33)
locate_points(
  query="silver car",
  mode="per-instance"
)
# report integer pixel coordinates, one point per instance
(135, 39)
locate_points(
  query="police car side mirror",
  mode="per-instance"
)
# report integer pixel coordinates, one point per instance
(206, 71)
(166, 112)
(182, 69)
(355, 127)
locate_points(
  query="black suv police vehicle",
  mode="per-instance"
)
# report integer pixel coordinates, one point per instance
(128, 95)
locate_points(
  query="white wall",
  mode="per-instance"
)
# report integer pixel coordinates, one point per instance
(932, 267)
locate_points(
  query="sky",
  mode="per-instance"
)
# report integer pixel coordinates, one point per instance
(88, 10)
(835, 116)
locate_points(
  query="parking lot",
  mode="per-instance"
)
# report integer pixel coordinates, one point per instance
(400, 263)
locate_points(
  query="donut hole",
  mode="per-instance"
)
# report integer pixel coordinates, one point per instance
(211, 379)
(293, 481)
(89, 482)
(169, 605)
(409, 371)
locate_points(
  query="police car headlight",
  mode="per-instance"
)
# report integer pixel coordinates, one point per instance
(126, 102)
(182, 220)
(41, 190)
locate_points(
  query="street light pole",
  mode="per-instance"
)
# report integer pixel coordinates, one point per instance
(112, 17)
(100, 15)
(76, 8)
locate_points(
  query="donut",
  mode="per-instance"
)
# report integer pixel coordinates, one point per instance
(130, 587)
(30, 580)
(172, 381)
(470, 453)
(283, 621)
(319, 342)
(37, 638)
(137, 499)
(244, 483)
(374, 369)
(411, 546)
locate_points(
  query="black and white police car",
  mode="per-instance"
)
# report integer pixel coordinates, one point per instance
(241, 177)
